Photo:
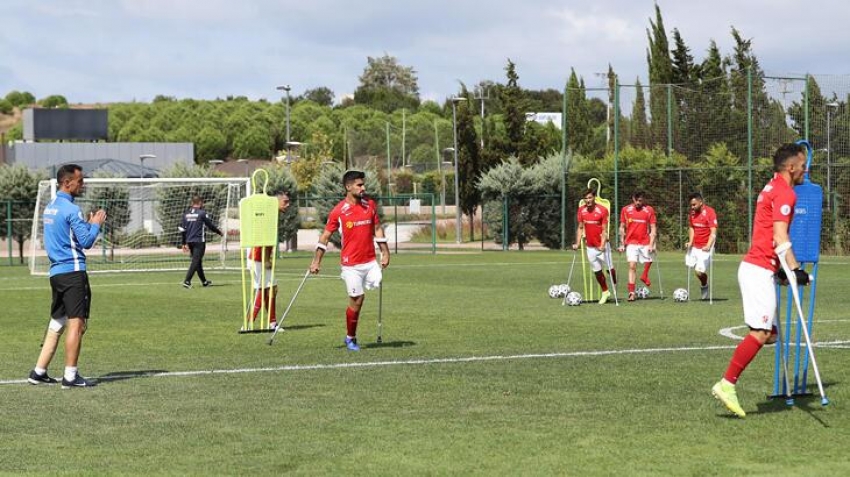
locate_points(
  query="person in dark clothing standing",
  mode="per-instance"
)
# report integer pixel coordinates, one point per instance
(193, 231)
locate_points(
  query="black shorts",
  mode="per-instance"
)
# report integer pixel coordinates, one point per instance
(71, 295)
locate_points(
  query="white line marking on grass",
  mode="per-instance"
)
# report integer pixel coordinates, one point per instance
(409, 362)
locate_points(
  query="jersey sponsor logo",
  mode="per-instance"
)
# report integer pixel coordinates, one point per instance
(801, 210)
(785, 209)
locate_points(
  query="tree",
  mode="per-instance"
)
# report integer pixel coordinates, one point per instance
(639, 125)
(210, 144)
(253, 142)
(18, 191)
(322, 96)
(660, 74)
(387, 85)
(511, 96)
(54, 101)
(281, 180)
(6, 107)
(577, 120)
(115, 200)
(19, 99)
(469, 164)
(508, 187)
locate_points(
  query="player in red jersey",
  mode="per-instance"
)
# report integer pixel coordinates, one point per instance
(774, 212)
(637, 238)
(593, 227)
(356, 218)
(702, 233)
(262, 275)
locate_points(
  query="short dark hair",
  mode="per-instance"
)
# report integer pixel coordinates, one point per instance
(695, 195)
(638, 194)
(784, 153)
(196, 199)
(66, 172)
(589, 191)
(352, 176)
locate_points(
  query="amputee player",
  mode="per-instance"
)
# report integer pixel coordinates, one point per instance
(637, 238)
(592, 227)
(260, 265)
(356, 218)
(702, 233)
(774, 212)
(66, 235)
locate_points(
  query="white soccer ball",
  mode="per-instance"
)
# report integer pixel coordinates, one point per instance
(564, 289)
(642, 293)
(680, 295)
(554, 291)
(574, 299)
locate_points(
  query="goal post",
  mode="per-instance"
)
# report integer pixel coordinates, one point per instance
(142, 218)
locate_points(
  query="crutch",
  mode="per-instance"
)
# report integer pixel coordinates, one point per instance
(711, 274)
(689, 261)
(570, 278)
(792, 283)
(780, 341)
(288, 307)
(609, 260)
(658, 270)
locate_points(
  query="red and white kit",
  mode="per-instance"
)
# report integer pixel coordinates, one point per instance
(594, 221)
(637, 222)
(356, 224)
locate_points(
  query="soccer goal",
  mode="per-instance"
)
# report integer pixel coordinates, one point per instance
(141, 230)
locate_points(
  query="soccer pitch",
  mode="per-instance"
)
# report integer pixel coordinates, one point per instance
(479, 372)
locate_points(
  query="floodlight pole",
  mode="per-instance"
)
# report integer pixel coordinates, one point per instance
(458, 230)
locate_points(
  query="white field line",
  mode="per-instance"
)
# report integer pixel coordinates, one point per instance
(409, 362)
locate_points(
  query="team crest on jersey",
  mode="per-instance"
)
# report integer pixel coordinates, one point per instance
(785, 209)
(349, 225)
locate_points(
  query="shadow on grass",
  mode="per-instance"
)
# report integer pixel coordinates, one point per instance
(808, 403)
(389, 344)
(122, 375)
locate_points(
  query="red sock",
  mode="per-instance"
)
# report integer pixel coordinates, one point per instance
(644, 277)
(600, 277)
(741, 358)
(351, 318)
(272, 308)
(631, 287)
(258, 304)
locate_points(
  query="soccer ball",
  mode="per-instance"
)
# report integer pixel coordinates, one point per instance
(554, 291)
(564, 289)
(573, 298)
(680, 295)
(642, 293)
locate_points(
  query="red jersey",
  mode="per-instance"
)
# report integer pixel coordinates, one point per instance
(256, 254)
(702, 223)
(594, 222)
(356, 224)
(775, 204)
(637, 223)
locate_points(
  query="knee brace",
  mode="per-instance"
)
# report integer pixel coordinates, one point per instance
(58, 325)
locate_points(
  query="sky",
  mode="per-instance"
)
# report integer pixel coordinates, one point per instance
(124, 50)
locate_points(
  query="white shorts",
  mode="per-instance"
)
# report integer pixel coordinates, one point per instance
(698, 259)
(358, 278)
(638, 253)
(758, 293)
(260, 275)
(598, 258)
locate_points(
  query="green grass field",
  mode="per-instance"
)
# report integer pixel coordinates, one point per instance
(480, 372)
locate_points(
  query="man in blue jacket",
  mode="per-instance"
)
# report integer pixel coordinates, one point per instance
(193, 231)
(66, 234)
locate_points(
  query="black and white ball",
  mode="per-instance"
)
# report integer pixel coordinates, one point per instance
(573, 298)
(564, 289)
(554, 291)
(642, 293)
(680, 295)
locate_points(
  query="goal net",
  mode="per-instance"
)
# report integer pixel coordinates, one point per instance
(141, 229)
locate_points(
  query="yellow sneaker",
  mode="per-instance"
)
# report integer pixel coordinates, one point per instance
(724, 391)
(604, 298)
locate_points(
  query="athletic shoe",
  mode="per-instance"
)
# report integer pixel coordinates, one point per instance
(703, 292)
(273, 325)
(187, 285)
(351, 344)
(40, 378)
(78, 382)
(604, 298)
(646, 281)
(207, 283)
(631, 296)
(725, 392)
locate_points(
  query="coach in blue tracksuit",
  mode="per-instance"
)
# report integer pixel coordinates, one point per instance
(66, 235)
(192, 229)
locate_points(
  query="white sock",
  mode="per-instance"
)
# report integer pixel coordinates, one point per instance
(70, 373)
(40, 371)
